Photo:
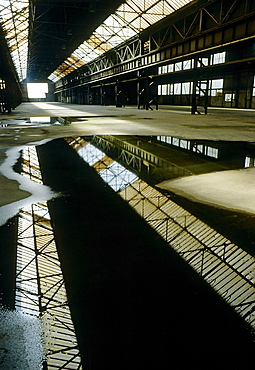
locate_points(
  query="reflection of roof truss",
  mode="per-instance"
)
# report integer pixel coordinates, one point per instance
(225, 266)
(14, 21)
(113, 173)
(40, 288)
(136, 157)
(128, 20)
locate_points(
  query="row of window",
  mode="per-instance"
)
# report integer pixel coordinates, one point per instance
(185, 144)
(214, 88)
(2, 84)
(213, 59)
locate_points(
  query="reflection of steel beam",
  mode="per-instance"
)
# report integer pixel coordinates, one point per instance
(135, 157)
(226, 267)
(40, 288)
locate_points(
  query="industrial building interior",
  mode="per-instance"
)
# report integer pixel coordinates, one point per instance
(127, 166)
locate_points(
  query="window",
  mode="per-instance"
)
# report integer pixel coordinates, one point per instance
(164, 90)
(202, 62)
(170, 68)
(253, 91)
(218, 58)
(188, 64)
(201, 88)
(217, 87)
(2, 84)
(229, 97)
(178, 66)
(164, 69)
(186, 88)
(177, 88)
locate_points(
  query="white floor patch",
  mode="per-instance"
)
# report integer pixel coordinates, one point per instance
(233, 189)
(38, 192)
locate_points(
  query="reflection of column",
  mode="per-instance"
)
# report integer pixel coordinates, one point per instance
(8, 252)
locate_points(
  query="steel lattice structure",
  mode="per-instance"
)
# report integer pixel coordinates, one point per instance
(226, 267)
(40, 287)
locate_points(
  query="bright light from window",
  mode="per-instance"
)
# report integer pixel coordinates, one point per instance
(37, 90)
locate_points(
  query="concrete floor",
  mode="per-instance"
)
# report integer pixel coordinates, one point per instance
(218, 124)
(16, 130)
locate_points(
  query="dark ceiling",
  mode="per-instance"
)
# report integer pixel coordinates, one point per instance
(58, 27)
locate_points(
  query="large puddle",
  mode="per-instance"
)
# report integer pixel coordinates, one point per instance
(112, 231)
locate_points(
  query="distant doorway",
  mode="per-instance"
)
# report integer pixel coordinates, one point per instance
(37, 91)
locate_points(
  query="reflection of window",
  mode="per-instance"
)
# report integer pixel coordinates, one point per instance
(182, 143)
(198, 148)
(249, 162)
(211, 152)
(185, 144)
(253, 92)
(175, 141)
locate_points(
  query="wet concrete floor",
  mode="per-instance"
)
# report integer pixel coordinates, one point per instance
(135, 303)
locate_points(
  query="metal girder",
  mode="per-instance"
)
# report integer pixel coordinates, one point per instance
(206, 28)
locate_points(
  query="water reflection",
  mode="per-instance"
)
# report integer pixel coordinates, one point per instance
(133, 166)
(225, 266)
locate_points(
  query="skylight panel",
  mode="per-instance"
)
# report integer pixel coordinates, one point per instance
(86, 52)
(126, 12)
(14, 20)
(140, 23)
(148, 4)
(130, 18)
(96, 41)
(137, 6)
(114, 30)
